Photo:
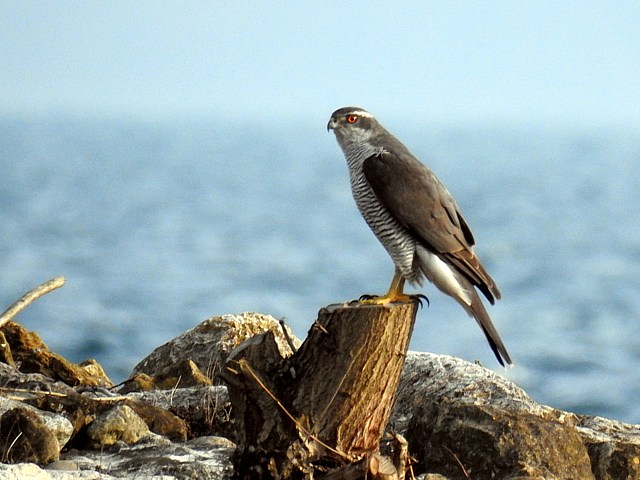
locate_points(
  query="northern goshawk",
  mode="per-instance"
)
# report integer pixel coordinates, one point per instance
(415, 218)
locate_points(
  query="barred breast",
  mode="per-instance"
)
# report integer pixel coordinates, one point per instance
(396, 239)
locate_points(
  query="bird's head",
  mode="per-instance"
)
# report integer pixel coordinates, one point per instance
(352, 124)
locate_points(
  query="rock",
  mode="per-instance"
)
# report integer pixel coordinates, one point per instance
(25, 438)
(31, 471)
(485, 442)
(138, 382)
(23, 471)
(614, 447)
(27, 383)
(460, 417)
(204, 409)
(59, 425)
(180, 375)
(428, 377)
(77, 410)
(119, 423)
(205, 458)
(93, 374)
(33, 356)
(208, 345)
(64, 465)
(159, 420)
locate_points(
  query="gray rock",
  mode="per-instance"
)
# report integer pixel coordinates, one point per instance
(460, 417)
(63, 465)
(209, 343)
(118, 423)
(25, 438)
(23, 471)
(83, 475)
(428, 377)
(185, 399)
(25, 383)
(58, 424)
(442, 402)
(205, 409)
(614, 447)
(204, 458)
(485, 442)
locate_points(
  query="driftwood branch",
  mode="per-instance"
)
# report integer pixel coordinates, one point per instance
(325, 408)
(29, 297)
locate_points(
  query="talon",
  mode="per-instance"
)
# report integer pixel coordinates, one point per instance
(394, 295)
(385, 299)
(419, 298)
(365, 297)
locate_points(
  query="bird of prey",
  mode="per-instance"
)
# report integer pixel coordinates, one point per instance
(415, 218)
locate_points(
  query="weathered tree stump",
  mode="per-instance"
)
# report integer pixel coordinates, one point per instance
(323, 410)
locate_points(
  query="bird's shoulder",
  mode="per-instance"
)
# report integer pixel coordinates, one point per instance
(417, 198)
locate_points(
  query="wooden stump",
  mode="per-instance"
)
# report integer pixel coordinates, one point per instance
(324, 409)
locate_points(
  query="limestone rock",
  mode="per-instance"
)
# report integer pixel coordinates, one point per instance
(63, 465)
(486, 442)
(455, 414)
(25, 383)
(73, 410)
(30, 352)
(460, 417)
(204, 409)
(614, 447)
(25, 438)
(159, 420)
(428, 377)
(153, 457)
(119, 423)
(181, 375)
(209, 344)
(59, 425)
(23, 471)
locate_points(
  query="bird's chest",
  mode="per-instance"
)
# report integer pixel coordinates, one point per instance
(396, 239)
(368, 203)
(393, 236)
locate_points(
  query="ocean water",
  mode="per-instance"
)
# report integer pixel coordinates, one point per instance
(159, 225)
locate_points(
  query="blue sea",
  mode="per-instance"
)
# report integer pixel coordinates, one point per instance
(158, 225)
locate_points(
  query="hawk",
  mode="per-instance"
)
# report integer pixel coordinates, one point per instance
(415, 218)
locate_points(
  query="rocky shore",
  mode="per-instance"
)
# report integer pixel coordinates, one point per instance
(172, 418)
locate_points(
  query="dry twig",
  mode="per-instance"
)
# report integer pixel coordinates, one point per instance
(29, 297)
(464, 470)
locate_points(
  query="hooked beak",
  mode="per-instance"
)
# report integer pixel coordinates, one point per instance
(331, 125)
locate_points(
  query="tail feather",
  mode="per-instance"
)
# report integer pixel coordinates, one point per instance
(477, 311)
(455, 282)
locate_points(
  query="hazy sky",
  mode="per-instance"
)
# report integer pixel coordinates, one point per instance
(451, 61)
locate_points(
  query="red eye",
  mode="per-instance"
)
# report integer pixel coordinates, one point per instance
(352, 118)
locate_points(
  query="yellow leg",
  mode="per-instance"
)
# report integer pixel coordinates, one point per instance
(394, 295)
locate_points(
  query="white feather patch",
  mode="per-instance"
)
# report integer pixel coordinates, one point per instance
(442, 275)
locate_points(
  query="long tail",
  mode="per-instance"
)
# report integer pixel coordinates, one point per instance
(477, 311)
(454, 282)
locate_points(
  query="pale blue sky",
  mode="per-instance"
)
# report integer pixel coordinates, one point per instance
(534, 62)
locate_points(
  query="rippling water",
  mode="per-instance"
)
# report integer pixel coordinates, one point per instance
(157, 226)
